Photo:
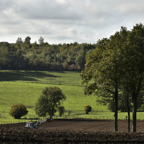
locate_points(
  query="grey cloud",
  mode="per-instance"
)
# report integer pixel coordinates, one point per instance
(46, 10)
(130, 6)
(5, 4)
(10, 22)
(68, 20)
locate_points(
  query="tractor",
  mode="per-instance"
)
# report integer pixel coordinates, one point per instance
(35, 125)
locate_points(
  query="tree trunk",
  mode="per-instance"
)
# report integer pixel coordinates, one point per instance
(0, 64)
(134, 113)
(128, 108)
(113, 104)
(116, 109)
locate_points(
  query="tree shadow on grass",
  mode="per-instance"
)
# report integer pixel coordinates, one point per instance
(23, 76)
(57, 71)
(37, 74)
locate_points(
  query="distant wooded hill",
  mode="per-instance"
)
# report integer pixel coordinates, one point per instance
(43, 56)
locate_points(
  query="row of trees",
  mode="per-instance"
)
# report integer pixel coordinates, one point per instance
(43, 56)
(115, 69)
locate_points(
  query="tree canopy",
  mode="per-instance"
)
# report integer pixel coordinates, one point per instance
(115, 66)
(48, 101)
(43, 56)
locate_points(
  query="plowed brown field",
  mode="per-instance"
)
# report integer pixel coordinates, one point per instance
(72, 131)
(83, 124)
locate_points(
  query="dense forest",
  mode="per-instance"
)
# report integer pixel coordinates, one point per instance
(24, 55)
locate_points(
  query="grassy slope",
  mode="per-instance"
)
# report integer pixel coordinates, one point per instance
(26, 86)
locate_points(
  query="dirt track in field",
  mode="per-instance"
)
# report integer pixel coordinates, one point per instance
(83, 124)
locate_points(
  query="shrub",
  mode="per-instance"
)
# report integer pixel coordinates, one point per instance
(61, 110)
(18, 110)
(69, 112)
(87, 109)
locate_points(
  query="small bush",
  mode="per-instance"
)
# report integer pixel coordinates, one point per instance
(18, 110)
(87, 109)
(61, 110)
(69, 112)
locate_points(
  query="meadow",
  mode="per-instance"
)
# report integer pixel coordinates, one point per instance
(26, 86)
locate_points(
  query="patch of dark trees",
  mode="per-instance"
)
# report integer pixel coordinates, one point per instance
(24, 55)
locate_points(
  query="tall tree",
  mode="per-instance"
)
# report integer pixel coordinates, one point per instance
(27, 40)
(104, 72)
(133, 59)
(19, 40)
(41, 40)
(104, 67)
(80, 59)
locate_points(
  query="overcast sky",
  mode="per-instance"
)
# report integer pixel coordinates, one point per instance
(66, 21)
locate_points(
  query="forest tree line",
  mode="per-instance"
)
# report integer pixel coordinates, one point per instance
(24, 55)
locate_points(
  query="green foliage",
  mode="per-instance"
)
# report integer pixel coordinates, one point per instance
(61, 110)
(80, 59)
(123, 103)
(27, 40)
(69, 112)
(18, 110)
(111, 106)
(48, 101)
(132, 54)
(87, 109)
(116, 65)
(42, 56)
(65, 66)
(104, 67)
(19, 40)
(41, 40)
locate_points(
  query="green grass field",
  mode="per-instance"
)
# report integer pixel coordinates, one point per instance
(26, 86)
